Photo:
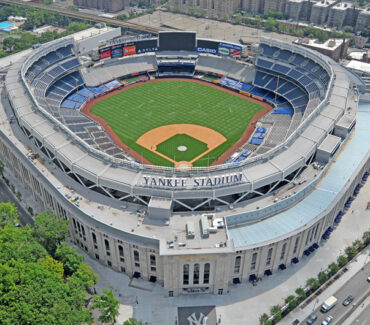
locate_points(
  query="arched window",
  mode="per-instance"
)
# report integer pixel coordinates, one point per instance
(237, 264)
(196, 274)
(269, 255)
(136, 256)
(296, 245)
(93, 237)
(120, 249)
(254, 260)
(152, 260)
(106, 242)
(207, 268)
(186, 274)
(83, 230)
(282, 255)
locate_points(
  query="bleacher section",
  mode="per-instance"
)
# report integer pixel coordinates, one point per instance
(60, 90)
(96, 76)
(226, 67)
(47, 61)
(79, 96)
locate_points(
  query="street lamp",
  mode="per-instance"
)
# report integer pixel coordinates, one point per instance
(316, 302)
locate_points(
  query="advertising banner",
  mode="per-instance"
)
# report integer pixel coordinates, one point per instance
(206, 50)
(105, 53)
(228, 49)
(117, 51)
(207, 46)
(146, 46)
(224, 51)
(129, 49)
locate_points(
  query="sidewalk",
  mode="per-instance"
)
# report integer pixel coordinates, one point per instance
(353, 268)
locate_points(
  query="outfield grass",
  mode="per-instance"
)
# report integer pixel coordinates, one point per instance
(144, 107)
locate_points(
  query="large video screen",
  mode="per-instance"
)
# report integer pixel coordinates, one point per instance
(207, 46)
(146, 46)
(177, 41)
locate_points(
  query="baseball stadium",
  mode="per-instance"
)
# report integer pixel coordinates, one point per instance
(180, 160)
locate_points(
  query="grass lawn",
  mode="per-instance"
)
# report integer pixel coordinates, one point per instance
(146, 106)
(193, 146)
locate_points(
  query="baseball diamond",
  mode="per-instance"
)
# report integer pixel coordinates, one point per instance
(137, 114)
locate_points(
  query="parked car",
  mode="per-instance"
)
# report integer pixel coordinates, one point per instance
(348, 300)
(368, 279)
(327, 320)
(311, 319)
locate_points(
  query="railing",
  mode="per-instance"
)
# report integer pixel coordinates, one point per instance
(116, 162)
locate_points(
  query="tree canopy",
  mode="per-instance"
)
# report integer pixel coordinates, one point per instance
(50, 231)
(34, 287)
(108, 306)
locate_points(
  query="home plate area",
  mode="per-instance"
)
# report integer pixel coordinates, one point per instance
(197, 315)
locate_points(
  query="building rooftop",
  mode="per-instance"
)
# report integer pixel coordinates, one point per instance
(359, 66)
(330, 144)
(330, 44)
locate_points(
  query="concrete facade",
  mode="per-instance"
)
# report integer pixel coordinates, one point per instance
(274, 5)
(109, 6)
(298, 10)
(212, 8)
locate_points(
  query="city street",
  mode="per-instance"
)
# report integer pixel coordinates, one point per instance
(357, 287)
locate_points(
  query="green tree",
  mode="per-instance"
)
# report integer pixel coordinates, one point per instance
(276, 312)
(32, 287)
(342, 260)
(132, 321)
(52, 265)
(358, 244)
(69, 257)
(313, 284)
(48, 2)
(122, 17)
(351, 252)
(191, 11)
(322, 277)
(238, 19)
(301, 294)
(292, 301)
(8, 214)
(270, 24)
(333, 267)
(348, 29)
(264, 319)
(366, 238)
(87, 276)
(108, 306)
(50, 231)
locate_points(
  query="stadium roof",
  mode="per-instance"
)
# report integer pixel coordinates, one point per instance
(319, 200)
